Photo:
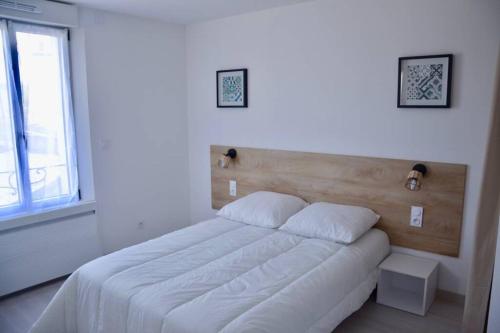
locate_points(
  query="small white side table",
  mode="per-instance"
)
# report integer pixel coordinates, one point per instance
(407, 283)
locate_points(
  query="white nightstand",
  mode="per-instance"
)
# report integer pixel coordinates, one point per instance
(407, 283)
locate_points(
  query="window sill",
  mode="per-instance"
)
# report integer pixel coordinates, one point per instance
(23, 220)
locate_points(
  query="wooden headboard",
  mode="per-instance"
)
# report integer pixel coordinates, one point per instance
(376, 183)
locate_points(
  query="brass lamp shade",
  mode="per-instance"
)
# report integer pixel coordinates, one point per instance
(414, 179)
(224, 161)
(226, 158)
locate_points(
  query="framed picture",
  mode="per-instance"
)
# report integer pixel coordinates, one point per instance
(425, 81)
(232, 89)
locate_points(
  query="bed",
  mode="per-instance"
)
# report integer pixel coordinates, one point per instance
(219, 276)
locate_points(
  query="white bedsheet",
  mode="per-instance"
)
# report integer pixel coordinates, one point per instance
(216, 276)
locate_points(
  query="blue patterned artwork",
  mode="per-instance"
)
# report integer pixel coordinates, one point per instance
(425, 81)
(232, 88)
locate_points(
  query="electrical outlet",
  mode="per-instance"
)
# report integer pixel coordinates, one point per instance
(416, 216)
(140, 225)
(232, 188)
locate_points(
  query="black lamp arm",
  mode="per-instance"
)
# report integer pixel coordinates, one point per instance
(231, 153)
(420, 168)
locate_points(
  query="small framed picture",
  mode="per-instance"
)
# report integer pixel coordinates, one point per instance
(232, 89)
(425, 81)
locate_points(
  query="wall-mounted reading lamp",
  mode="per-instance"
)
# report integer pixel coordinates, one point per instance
(414, 181)
(227, 157)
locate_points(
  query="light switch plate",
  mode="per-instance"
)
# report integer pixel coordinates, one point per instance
(417, 216)
(232, 188)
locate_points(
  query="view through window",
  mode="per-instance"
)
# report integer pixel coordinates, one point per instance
(37, 141)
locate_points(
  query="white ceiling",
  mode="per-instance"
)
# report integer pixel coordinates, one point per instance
(184, 11)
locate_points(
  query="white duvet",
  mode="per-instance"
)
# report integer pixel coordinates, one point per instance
(219, 276)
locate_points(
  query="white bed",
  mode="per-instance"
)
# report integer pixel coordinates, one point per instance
(219, 276)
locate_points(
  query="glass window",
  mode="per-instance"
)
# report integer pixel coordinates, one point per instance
(10, 197)
(37, 141)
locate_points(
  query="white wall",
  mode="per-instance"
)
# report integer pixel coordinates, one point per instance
(129, 96)
(323, 77)
(34, 254)
(136, 97)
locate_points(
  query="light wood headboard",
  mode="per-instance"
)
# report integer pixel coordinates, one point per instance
(376, 183)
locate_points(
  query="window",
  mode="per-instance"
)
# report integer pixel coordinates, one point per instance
(38, 166)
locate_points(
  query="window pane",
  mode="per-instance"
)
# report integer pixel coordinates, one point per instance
(9, 185)
(41, 67)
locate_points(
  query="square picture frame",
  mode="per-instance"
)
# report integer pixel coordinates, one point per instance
(425, 81)
(232, 88)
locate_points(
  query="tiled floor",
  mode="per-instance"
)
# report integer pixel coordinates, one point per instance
(444, 316)
(19, 311)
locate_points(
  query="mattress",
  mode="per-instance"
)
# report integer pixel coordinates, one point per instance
(219, 276)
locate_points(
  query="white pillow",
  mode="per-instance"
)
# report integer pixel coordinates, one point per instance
(264, 209)
(338, 223)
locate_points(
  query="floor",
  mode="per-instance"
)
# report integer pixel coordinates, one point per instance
(444, 316)
(19, 311)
